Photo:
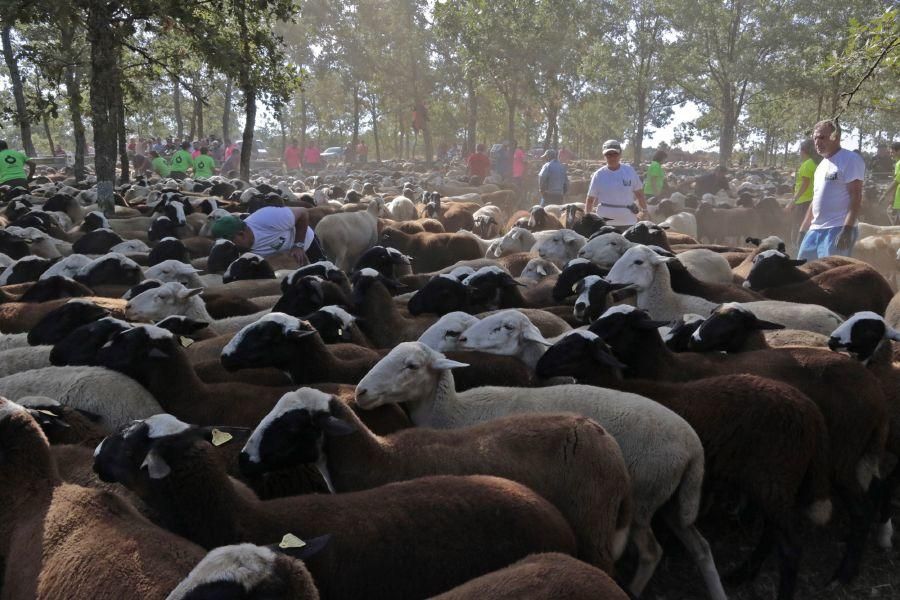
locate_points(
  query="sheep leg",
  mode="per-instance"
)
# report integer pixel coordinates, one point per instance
(749, 569)
(649, 555)
(861, 509)
(699, 548)
(789, 552)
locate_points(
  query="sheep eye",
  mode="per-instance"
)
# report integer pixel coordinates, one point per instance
(638, 262)
(452, 334)
(613, 244)
(508, 327)
(412, 367)
(497, 329)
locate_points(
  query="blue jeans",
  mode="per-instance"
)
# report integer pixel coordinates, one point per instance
(820, 243)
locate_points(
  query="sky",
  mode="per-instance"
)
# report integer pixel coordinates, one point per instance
(686, 112)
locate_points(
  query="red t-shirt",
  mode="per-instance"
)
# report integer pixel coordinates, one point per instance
(292, 158)
(479, 164)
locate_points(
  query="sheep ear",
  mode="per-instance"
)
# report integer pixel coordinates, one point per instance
(443, 363)
(532, 334)
(331, 425)
(515, 235)
(760, 324)
(752, 240)
(156, 466)
(542, 271)
(298, 334)
(189, 292)
(798, 262)
(664, 226)
(891, 333)
(603, 356)
(157, 353)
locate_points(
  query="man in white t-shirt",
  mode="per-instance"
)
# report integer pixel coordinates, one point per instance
(616, 190)
(270, 230)
(830, 223)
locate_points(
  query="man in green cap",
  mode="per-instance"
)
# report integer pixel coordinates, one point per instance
(204, 164)
(181, 162)
(12, 167)
(272, 230)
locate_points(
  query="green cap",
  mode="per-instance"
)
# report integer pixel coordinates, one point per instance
(226, 227)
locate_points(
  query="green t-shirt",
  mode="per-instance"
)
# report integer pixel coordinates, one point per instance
(12, 165)
(897, 181)
(808, 170)
(181, 161)
(160, 166)
(203, 166)
(653, 183)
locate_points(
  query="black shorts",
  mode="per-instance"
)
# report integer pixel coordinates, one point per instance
(314, 252)
(23, 183)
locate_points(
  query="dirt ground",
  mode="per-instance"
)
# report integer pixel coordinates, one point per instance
(677, 578)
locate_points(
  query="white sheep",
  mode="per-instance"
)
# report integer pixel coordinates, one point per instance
(682, 222)
(345, 236)
(507, 333)
(444, 335)
(517, 239)
(9, 341)
(173, 298)
(559, 246)
(663, 453)
(175, 270)
(67, 267)
(18, 360)
(402, 209)
(117, 398)
(537, 269)
(645, 272)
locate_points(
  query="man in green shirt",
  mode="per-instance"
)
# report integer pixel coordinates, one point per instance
(803, 188)
(655, 180)
(204, 164)
(181, 162)
(159, 164)
(12, 167)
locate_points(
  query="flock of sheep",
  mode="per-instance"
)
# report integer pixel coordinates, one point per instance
(472, 398)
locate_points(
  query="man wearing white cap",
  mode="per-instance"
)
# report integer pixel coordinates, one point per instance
(616, 190)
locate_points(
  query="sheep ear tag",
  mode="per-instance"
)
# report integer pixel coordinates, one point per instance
(186, 342)
(291, 541)
(220, 438)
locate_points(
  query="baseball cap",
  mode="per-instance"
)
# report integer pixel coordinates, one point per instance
(551, 154)
(612, 146)
(226, 227)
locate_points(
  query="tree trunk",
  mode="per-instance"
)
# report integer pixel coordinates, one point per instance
(198, 110)
(552, 127)
(18, 91)
(511, 105)
(72, 79)
(304, 120)
(726, 137)
(249, 126)
(176, 102)
(356, 101)
(472, 115)
(373, 103)
(121, 134)
(637, 143)
(103, 84)
(226, 112)
(49, 136)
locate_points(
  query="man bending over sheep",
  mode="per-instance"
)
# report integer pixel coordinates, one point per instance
(271, 230)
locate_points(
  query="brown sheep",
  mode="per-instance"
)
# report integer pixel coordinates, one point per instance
(432, 251)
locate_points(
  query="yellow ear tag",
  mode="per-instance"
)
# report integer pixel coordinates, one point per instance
(220, 437)
(186, 342)
(291, 541)
(46, 412)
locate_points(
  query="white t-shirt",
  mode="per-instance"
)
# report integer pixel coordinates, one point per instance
(274, 229)
(831, 198)
(614, 191)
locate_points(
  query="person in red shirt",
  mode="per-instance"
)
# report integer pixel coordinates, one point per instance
(291, 158)
(479, 165)
(312, 158)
